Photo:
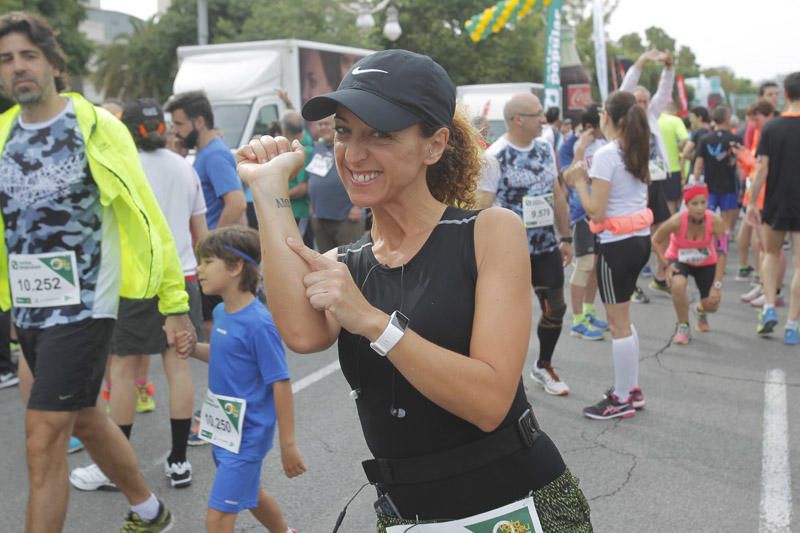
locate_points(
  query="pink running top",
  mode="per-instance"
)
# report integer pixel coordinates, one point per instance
(693, 253)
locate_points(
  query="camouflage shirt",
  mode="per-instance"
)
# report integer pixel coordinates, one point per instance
(50, 203)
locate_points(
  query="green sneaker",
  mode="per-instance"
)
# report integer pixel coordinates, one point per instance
(162, 522)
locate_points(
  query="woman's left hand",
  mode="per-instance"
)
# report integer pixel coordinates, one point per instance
(330, 287)
(576, 172)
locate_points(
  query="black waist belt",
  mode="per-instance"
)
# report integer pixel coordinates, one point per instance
(448, 463)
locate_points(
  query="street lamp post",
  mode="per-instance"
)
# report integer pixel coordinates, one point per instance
(364, 11)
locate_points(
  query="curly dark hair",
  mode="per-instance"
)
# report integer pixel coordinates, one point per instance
(40, 34)
(454, 178)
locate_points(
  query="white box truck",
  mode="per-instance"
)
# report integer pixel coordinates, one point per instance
(488, 100)
(242, 79)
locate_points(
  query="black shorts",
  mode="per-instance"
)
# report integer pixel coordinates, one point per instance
(67, 363)
(618, 267)
(777, 223)
(703, 276)
(584, 242)
(673, 187)
(657, 202)
(139, 329)
(210, 301)
(547, 270)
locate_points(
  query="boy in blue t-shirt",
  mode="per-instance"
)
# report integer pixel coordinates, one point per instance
(248, 383)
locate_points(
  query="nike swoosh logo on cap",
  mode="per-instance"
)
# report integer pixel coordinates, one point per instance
(359, 70)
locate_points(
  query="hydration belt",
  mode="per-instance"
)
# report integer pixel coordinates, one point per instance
(448, 463)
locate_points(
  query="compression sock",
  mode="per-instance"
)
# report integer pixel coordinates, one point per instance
(180, 433)
(589, 308)
(635, 335)
(126, 429)
(148, 509)
(577, 318)
(548, 337)
(626, 366)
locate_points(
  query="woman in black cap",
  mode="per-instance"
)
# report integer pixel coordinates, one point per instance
(431, 309)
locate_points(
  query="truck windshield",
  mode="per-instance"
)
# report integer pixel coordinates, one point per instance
(231, 120)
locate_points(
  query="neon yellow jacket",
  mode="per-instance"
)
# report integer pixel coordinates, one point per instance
(150, 263)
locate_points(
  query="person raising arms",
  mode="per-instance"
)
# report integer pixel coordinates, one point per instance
(431, 309)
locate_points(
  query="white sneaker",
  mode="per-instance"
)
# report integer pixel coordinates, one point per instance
(752, 294)
(90, 478)
(548, 379)
(759, 302)
(179, 474)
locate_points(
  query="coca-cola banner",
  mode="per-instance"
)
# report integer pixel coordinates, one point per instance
(579, 96)
(552, 60)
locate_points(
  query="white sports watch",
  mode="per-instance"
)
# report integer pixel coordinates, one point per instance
(391, 335)
(717, 284)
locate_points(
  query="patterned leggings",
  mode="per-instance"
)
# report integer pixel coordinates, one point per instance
(561, 506)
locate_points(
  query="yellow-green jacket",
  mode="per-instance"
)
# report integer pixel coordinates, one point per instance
(150, 263)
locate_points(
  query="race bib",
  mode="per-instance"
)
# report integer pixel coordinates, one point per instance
(537, 211)
(222, 420)
(657, 170)
(517, 517)
(693, 256)
(320, 165)
(44, 280)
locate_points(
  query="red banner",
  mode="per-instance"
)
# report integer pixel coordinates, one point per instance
(684, 101)
(579, 96)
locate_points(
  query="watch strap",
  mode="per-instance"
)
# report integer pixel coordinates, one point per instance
(389, 338)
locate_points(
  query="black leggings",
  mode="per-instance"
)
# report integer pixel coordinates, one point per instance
(547, 278)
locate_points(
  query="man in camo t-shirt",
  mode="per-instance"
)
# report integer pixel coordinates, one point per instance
(80, 228)
(527, 183)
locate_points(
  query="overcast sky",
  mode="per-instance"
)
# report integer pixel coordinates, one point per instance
(755, 38)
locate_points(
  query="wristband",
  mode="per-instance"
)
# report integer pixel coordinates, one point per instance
(391, 335)
(567, 240)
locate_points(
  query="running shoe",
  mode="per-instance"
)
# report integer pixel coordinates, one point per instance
(637, 397)
(610, 407)
(547, 378)
(660, 285)
(75, 445)
(767, 320)
(585, 331)
(639, 296)
(161, 523)
(179, 474)
(759, 302)
(752, 294)
(682, 334)
(194, 434)
(646, 272)
(702, 321)
(596, 322)
(744, 273)
(90, 478)
(8, 379)
(791, 336)
(145, 402)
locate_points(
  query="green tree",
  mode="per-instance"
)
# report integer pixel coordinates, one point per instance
(658, 39)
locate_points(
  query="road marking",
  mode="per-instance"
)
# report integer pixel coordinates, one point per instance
(315, 376)
(776, 483)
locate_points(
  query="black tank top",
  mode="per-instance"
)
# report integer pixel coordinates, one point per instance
(436, 291)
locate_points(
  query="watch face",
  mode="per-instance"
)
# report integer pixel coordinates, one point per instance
(400, 320)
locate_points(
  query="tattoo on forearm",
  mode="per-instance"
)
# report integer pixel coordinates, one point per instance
(283, 202)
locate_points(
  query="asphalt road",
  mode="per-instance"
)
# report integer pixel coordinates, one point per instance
(692, 460)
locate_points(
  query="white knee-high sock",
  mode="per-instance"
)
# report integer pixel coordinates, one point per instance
(626, 366)
(636, 337)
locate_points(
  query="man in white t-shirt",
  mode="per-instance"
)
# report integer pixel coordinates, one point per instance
(138, 331)
(659, 170)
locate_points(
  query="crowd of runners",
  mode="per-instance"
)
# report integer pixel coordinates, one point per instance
(399, 233)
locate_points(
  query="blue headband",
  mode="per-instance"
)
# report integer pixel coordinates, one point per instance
(241, 254)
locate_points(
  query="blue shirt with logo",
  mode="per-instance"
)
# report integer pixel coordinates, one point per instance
(247, 357)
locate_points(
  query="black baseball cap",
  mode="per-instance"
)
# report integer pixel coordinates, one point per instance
(390, 91)
(143, 113)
